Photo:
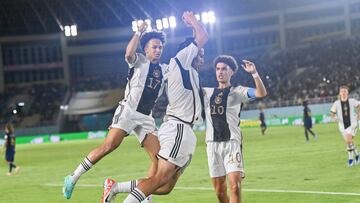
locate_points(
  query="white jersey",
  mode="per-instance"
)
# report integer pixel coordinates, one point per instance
(222, 110)
(144, 82)
(183, 88)
(346, 113)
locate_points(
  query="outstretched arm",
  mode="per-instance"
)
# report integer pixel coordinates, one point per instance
(201, 36)
(260, 90)
(130, 54)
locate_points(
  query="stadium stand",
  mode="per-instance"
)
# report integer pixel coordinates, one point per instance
(41, 104)
(307, 72)
(296, 49)
(315, 71)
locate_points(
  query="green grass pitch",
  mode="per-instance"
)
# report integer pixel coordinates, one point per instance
(280, 168)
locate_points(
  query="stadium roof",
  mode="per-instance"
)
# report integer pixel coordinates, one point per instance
(29, 17)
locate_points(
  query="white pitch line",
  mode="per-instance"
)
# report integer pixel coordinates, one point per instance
(303, 192)
(245, 190)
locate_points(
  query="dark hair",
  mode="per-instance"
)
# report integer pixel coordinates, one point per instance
(305, 103)
(186, 43)
(147, 36)
(228, 60)
(9, 127)
(344, 87)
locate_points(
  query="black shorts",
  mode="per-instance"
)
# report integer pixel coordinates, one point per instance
(10, 155)
(308, 124)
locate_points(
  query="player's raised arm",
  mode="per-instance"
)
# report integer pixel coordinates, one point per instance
(201, 36)
(260, 90)
(130, 54)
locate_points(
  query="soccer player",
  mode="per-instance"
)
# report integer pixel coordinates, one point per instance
(223, 136)
(262, 119)
(346, 112)
(134, 111)
(177, 139)
(308, 122)
(9, 148)
(111, 187)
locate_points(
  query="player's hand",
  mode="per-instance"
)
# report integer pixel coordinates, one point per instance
(189, 18)
(142, 27)
(249, 66)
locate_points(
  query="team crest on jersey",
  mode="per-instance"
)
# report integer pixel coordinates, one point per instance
(157, 73)
(218, 98)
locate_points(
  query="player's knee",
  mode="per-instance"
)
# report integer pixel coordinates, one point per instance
(220, 194)
(220, 191)
(348, 142)
(235, 188)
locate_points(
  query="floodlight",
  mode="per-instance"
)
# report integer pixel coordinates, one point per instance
(165, 23)
(205, 17)
(73, 30)
(172, 21)
(159, 24)
(211, 16)
(134, 26)
(197, 16)
(67, 31)
(148, 22)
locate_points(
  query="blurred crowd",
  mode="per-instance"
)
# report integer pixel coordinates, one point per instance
(100, 82)
(311, 72)
(40, 102)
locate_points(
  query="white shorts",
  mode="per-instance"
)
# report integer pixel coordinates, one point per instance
(224, 158)
(177, 142)
(350, 130)
(130, 120)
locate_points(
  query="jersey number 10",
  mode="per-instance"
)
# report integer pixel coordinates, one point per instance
(217, 110)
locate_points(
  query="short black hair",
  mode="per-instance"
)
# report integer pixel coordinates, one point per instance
(9, 127)
(147, 36)
(228, 60)
(305, 103)
(186, 43)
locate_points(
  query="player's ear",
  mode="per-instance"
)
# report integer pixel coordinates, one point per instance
(231, 71)
(146, 49)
